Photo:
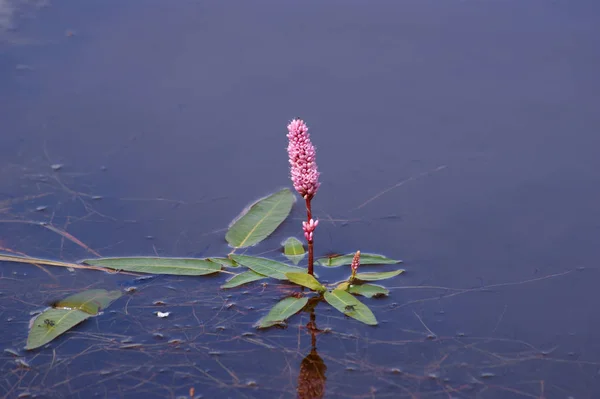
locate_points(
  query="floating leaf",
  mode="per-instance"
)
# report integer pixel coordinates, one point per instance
(305, 280)
(266, 324)
(90, 301)
(242, 278)
(368, 290)
(293, 250)
(266, 266)
(258, 221)
(282, 310)
(176, 266)
(52, 323)
(350, 306)
(68, 313)
(365, 259)
(378, 276)
(293, 246)
(343, 286)
(225, 262)
(295, 259)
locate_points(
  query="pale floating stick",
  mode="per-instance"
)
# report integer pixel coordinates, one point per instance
(47, 262)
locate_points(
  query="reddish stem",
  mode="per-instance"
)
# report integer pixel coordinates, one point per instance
(310, 242)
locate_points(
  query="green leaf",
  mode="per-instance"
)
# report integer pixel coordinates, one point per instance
(293, 246)
(90, 301)
(52, 323)
(267, 324)
(378, 276)
(266, 266)
(260, 219)
(295, 259)
(282, 310)
(368, 290)
(225, 262)
(66, 314)
(365, 259)
(350, 306)
(306, 280)
(176, 266)
(293, 250)
(242, 278)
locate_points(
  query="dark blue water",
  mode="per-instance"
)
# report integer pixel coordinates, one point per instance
(459, 136)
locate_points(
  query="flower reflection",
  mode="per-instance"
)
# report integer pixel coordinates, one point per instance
(311, 380)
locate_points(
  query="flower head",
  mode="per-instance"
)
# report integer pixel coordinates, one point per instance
(355, 263)
(302, 156)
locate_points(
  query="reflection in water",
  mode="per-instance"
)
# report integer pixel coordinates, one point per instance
(311, 380)
(12, 12)
(6, 12)
(10, 8)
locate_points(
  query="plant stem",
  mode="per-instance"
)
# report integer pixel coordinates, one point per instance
(310, 242)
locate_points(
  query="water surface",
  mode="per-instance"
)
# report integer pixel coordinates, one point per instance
(459, 136)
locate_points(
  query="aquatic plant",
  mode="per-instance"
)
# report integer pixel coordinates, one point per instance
(304, 175)
(254, 224)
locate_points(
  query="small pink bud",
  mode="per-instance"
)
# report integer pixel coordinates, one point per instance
(308, 228)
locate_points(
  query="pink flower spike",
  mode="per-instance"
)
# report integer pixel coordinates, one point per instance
(355, 262)
(302, 157)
